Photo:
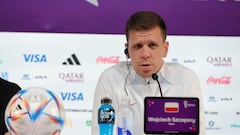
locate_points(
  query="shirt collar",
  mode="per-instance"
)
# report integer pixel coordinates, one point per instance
(163, 75)
(136, 78)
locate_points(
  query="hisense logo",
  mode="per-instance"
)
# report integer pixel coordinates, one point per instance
(73, 60)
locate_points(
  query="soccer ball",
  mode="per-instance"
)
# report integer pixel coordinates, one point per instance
(35, 111)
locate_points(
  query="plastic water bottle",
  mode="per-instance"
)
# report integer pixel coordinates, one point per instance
(125, 117)
(106, 117)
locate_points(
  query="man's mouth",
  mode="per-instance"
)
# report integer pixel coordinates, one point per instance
(146, 66)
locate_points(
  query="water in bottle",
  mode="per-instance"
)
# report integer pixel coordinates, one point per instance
(125, 117)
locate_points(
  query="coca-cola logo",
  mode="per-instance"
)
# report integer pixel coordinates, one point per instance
(224, 80)
(108, 60)
(220, 61)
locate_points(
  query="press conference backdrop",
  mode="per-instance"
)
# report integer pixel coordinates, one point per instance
(40, 59)
(39, 38)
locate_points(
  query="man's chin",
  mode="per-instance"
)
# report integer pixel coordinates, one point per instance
(146, 74)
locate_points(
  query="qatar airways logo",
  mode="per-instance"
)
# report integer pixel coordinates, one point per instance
(220, 61)
(108, 60)
(71, 77)
(224, 80)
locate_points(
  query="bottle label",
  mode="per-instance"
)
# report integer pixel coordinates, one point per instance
(106, 115)
(123, 131)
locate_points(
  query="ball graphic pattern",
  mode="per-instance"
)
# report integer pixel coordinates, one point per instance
(35, 111)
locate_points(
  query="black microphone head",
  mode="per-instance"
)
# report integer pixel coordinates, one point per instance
(154, 76)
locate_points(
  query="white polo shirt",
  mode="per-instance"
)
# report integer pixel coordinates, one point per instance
(175, 80)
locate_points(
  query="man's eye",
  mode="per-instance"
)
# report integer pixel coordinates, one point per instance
(152, 45)
(138, 46)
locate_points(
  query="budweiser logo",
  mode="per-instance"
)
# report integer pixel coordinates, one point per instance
(221, 80)
(108, 60)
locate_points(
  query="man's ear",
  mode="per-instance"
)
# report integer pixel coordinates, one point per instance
(126, 45)
(126, 52)
(166, 46)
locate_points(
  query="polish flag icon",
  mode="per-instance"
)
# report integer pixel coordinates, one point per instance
(171, 107)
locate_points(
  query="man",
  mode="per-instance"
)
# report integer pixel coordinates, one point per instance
(146, 47)
(7, 90)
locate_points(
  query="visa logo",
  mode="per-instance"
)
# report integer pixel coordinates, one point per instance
(71, 96)
(171, 107)
(35, 58)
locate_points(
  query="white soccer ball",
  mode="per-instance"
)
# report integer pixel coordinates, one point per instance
(35, 111)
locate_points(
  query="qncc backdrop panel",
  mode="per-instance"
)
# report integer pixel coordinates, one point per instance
(37, 59)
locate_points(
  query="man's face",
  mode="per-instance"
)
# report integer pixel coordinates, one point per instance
(146, 49)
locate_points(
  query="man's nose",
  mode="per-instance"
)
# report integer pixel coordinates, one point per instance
(145, 53)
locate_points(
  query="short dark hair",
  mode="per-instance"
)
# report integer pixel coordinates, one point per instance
(145, 20)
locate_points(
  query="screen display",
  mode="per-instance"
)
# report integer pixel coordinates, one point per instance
(171, 115)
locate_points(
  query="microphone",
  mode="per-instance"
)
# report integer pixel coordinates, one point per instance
(155, 77)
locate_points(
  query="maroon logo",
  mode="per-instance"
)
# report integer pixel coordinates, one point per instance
(71, 77)
(108, 60)
(220, 61)
(221, 80)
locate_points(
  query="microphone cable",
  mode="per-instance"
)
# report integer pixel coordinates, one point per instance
(126, 78)
(155, 77)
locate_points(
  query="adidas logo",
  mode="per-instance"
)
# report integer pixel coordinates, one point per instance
(73, 60)
(17, 108)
